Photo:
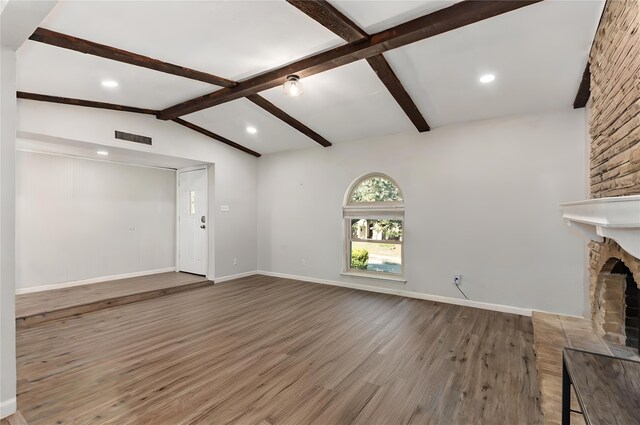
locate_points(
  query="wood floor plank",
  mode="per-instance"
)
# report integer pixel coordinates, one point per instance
(44, 306)
(263, 350)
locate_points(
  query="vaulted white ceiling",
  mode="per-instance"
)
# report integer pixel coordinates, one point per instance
(46, 69)
(537, 53)
(232, 39)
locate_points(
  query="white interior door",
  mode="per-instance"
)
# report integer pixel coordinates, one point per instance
(192, 221)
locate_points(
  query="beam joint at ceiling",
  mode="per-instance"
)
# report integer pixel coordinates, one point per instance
(331, 18)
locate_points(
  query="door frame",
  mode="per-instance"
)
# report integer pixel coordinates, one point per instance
(209, 222)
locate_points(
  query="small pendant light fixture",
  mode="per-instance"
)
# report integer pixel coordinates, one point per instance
(293, 86)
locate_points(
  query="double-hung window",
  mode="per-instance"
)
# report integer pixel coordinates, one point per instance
(373, 215)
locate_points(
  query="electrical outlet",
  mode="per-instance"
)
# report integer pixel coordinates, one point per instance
(304, 262)
(235, 261)
(457, 279)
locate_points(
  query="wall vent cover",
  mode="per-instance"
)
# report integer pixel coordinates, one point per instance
(136, 138)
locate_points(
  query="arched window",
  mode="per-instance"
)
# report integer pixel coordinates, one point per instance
(374, 225)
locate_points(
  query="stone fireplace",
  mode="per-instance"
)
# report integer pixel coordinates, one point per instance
(614, 130)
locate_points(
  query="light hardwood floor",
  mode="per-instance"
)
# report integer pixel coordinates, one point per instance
(268, 351)
(38, 307)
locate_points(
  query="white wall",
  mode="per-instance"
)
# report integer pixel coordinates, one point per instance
(234, 233)
(7, 232)
(79, 219)
(481, 198)
(18, 19)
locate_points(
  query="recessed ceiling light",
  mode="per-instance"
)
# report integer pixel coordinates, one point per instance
(103, 153)
(110, 83)
(252, 130)
(487, 78)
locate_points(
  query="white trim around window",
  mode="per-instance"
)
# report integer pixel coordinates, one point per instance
(366, 213)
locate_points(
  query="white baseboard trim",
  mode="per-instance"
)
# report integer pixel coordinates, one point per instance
(90, 281)
(234, 276)
(409, 294)
(8, 407)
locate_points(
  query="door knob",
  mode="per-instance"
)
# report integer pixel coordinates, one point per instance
(203, 226)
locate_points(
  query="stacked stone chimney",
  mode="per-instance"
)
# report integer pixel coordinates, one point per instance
(614, 128)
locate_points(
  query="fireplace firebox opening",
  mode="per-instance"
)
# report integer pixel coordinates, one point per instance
(631, 317)
(616, 313)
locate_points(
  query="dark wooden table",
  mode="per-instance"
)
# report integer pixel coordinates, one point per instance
(607, 388)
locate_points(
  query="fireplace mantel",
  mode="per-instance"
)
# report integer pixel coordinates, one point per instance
(616, 218)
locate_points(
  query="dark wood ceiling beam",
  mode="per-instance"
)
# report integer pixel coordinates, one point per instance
(89, 47)
(390, 80)
(85, 103)
(459, 15)
(288, 119)
(65, 41)
(215, 136)
(584, 90)
(282, 115)
(122, 108)
(331, 18)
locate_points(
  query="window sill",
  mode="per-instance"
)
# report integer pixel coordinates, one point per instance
(396, 279)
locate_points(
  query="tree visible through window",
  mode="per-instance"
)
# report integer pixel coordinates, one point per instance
(376, 189)
(374, 222)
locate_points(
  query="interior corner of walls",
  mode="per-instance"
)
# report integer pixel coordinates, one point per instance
(235, 276)
(8, 407)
